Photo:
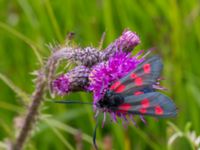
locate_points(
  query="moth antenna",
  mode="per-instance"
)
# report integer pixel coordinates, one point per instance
(70, 102)
(94, 134)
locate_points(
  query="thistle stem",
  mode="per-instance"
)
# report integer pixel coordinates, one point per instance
(32, 111)
(31, 115)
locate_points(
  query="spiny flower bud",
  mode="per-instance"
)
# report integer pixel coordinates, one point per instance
(61, 85)
(126, 42)
(74, 80)
(87, 56)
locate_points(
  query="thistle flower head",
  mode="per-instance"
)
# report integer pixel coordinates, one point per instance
(104, 73)
(74, 80)
(126, 42)
(61, 84)
(81, 56)
(87, 56)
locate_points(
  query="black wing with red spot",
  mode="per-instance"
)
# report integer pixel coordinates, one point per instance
(143, 77)
(139, 95)
(152, 104)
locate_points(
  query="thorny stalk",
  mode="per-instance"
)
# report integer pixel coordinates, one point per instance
(37, 97)
(31, 114)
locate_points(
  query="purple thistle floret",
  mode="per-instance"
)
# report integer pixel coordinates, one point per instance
(74, 80)
(61, 85)
(126, 42)
(105, 73)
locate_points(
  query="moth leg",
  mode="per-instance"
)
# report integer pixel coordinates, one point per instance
(104, 119)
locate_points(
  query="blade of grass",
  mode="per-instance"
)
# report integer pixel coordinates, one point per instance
(69, 129)
(53, 20)
(28, 10)
(10, 107)
(22, 37)
(25, 97)
(61, 137)
(85, 99)
(6, 128)
(146, 139)
(184, 134)
(108, 19)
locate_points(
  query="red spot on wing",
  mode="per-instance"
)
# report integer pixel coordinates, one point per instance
(133, 76)
(145, 103)
(138, 81)
(147, 68)
(138, 93)
(143, 110)
(115, 85)
(123, 108)
(120, 88)
(158, 110)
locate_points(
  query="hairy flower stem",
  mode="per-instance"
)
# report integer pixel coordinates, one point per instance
(37, 97)
(32, 113)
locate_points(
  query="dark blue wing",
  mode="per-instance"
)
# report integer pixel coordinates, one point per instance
(140, 79)
(152, 104)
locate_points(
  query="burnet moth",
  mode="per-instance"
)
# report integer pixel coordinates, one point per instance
(135, 94)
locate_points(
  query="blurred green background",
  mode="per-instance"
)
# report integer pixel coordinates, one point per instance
(172, 26)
